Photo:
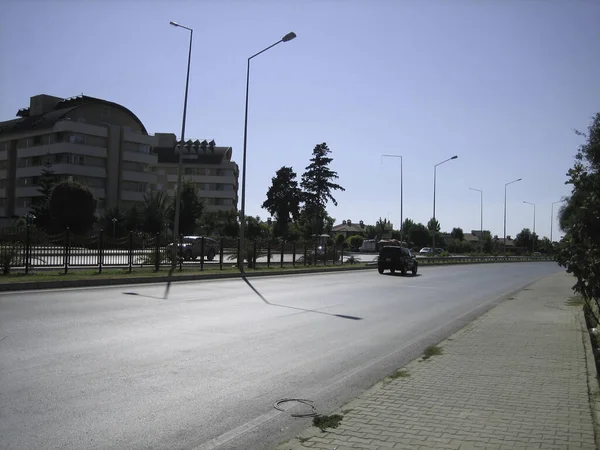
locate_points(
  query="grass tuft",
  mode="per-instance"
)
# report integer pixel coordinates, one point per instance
(324, 422)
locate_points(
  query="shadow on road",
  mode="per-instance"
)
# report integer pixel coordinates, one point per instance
(341, 316)
(398, 274)
(143, 295)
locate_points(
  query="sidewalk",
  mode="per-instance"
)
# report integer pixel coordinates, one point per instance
(514, 378)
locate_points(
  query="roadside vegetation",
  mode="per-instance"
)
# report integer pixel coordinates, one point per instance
(579, 250)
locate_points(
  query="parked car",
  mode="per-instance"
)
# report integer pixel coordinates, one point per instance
(192, 247)
(430, 251)
(397, 258)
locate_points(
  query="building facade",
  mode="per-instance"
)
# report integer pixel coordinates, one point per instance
(95, 142)
(210, 168)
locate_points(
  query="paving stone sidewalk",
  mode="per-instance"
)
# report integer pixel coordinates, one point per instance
(516, 378)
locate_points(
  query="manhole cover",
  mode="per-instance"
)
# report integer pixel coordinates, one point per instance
(297, 407)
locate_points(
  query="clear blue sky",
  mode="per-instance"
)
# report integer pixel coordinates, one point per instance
(500, 83)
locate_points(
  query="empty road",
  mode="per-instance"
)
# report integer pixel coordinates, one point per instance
(123, 368)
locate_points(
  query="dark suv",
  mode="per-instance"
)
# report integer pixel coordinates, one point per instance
(397, 258)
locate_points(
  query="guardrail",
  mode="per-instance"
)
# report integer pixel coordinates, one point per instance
(438, 260)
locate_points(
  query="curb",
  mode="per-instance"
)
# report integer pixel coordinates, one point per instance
(64, 284)
(592, 381)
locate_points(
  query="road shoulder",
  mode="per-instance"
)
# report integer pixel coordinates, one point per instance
(516, 377)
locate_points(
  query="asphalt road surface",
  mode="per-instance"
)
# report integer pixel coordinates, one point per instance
(123, 368)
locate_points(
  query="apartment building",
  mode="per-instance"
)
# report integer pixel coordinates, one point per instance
(93, 141)
(209, 166)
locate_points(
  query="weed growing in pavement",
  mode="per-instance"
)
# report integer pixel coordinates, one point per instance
(301, 439)
(324, 422)
(432, 350)
(347, 411)
(400, 374)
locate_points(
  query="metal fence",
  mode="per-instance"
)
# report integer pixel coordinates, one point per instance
(29, 248)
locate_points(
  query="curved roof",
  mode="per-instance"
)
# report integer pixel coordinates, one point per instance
(39, 121)
(46, 120)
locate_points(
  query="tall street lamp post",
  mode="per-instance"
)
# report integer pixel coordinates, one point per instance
(401, 195)
(533, 234)
(481, 218)
(286, 38)
(181, 145)
(511, 182)
(434, 186)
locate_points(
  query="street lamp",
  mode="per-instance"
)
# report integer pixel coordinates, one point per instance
(434, 185)
(401, 195)
(552, 218)
(505, 210)
(180, 163)
(481, 219)
(286, 38)
(533, 234)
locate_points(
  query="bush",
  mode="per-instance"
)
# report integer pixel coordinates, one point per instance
(11, 255)
(355, 242)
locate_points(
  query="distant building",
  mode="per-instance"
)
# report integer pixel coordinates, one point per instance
(209, 167)
(93, 141)
(347, 228)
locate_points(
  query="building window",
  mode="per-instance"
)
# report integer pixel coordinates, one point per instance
(37, 140)
(4, 146)
(77, 138)
(3, 164)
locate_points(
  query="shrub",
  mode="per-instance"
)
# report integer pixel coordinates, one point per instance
(355, 242)
(11, 255)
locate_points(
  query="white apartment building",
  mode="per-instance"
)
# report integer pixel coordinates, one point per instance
(210, 168)
(96, 142)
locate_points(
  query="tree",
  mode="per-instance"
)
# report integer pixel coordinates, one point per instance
(119, 227)
(488, 244)
(133, 219)
(317, 184)
(155, 213)
(191, 208)
(579, 250)
(283, 199)
(527, 240)
(457, 233)
(72, 205)
(419, 235)
(407, 225)
(41, 205)
(433, 225)
(382, 226)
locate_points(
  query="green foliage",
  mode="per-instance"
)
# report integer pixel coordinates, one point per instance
(457, 246)
(72, 205)
(457, 233)
(407, 226)
(191, 209)
(419, 235)
(355, 242)
(318, 186)
(41, 205)
(283, 200)
(371, 231)
(433, 225)
(324, 422)
(527, 240)
(220, 223)
(133, 219)
(340, 239)
(119, 228)
(383, 226)
(579, 250)
(488, 244)
(256, 228)
(11, 254)
(155, 215)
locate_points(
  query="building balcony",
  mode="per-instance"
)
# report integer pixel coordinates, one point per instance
(2, 193)
(222, 179)
(132, 196)
(141, 177)
(63, 169)
(139, 138)
(80, 127)
(144, 158)
(27, 192)
(3, 174)
(62, 147)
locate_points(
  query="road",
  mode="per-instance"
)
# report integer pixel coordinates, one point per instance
(123, 368)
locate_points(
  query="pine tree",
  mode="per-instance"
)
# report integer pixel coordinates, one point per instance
(317, 184)
(283, 199)
(41, 205)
